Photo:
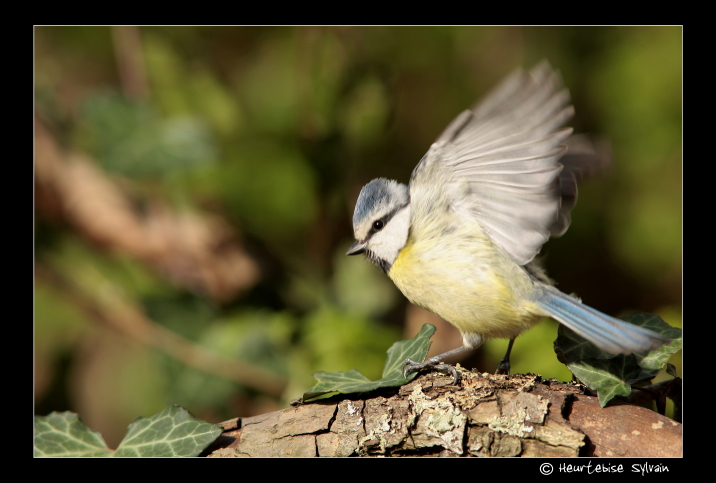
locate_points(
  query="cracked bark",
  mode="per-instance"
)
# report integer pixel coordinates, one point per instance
(486, 415)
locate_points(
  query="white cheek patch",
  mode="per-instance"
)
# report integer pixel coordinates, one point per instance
(386, 243)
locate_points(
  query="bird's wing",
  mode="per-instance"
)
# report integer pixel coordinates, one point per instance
(504, 155)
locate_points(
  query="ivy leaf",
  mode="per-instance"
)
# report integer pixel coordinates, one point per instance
(608, 377)
(653, 361)
(347, 381)
(353, 381)
(172, 432)
(65, 434)
(671, 370)
(612, 375)
(571, 347)
(416, 348)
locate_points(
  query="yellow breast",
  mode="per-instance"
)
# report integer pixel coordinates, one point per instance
(466, 280)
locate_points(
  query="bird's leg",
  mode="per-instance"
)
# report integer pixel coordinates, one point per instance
(434, 364)
(504, 367)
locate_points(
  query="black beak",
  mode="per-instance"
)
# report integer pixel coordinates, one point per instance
(356, 249)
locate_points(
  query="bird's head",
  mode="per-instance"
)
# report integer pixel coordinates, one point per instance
(381, 221)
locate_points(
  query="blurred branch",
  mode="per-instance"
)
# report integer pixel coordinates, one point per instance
(130, 62)
(110, 310)
(198, 251)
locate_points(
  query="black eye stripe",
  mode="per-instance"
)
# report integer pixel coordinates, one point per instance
(383, 221)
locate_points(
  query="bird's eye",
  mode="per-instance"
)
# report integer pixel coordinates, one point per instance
(378, 225)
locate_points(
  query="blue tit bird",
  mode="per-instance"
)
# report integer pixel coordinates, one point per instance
(461, 239)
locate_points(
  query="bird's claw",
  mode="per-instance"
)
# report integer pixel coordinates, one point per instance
(410, 366)
(503, 367)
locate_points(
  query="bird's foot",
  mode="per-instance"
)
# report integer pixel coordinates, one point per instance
(433, 364)
(503, 367)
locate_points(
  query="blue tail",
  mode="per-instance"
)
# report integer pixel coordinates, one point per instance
(612, 335)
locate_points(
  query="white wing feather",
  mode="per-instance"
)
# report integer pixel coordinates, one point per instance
(507, 149)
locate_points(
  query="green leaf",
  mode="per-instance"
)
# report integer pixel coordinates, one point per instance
(655, 359)
(671, 370)
(172, 432)
(571, 347)
(353, 381)
(608, 377)
(64, 434)
(416, 348)
(347, 381)
(612, 375)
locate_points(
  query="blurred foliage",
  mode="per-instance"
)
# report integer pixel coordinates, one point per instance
(275, 129)
(130, 139)
(247, 184)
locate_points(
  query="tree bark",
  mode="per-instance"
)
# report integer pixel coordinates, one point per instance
(485, 415)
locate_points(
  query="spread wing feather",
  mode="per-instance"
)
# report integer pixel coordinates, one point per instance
(506, 151)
